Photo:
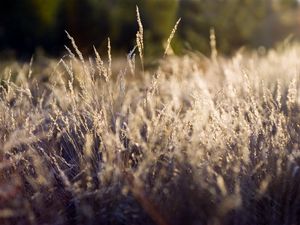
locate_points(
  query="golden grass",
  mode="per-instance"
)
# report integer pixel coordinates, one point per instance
(189, 143)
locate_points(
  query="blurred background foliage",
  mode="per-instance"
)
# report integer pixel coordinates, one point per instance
(29, 25)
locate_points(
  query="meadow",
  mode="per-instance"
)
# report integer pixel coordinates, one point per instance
(195, 140)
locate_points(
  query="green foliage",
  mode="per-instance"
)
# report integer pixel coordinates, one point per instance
(25, 25)
(87, 21)
(46, 11)
(237, 23)
(117, 19)
(159, 18)
(122, 23)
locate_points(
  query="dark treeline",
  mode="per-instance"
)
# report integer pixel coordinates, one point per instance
(28, 25)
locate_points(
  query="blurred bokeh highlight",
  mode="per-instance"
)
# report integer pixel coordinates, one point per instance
(28, 26)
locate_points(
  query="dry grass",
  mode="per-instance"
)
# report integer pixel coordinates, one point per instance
(197, 141)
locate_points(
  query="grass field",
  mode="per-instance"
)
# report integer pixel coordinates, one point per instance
(196, 140)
